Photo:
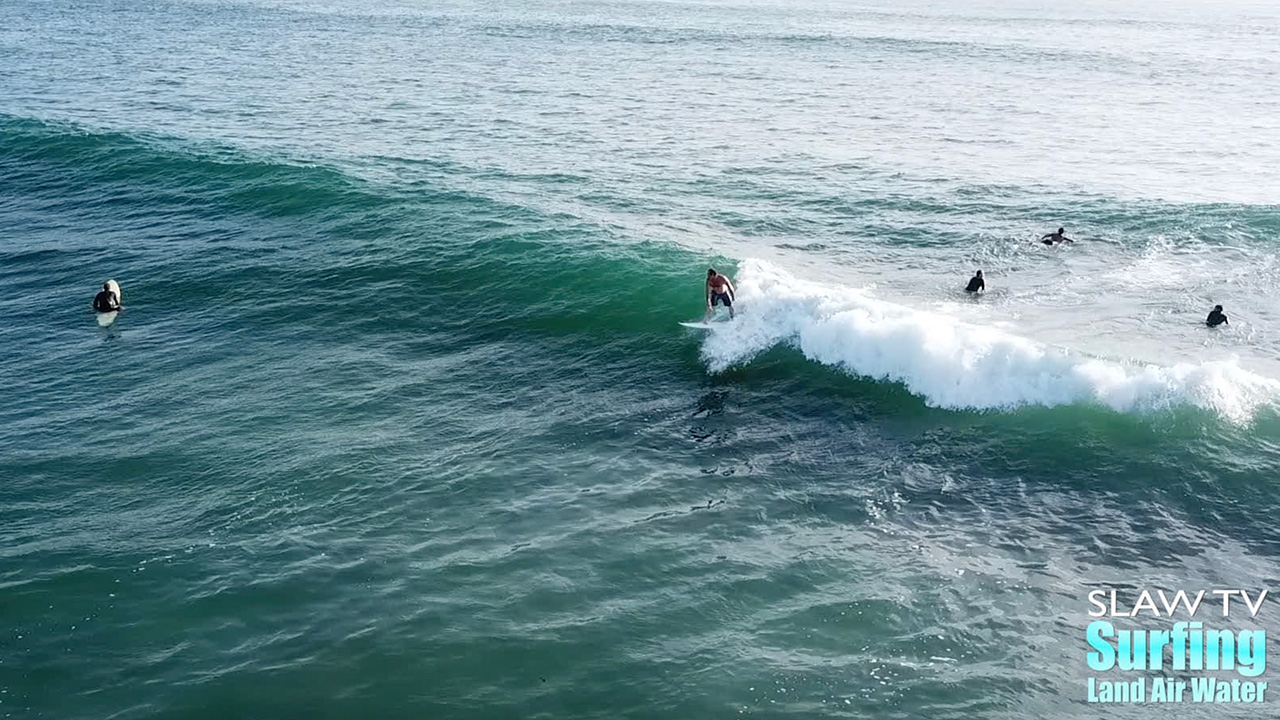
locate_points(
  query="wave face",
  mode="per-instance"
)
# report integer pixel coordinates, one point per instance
(949, 362)
(958, 365)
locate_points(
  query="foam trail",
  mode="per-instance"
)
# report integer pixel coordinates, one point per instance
(960, 366)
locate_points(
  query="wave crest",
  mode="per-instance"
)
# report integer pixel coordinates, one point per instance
(951, 364)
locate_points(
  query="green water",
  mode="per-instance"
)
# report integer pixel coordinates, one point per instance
(399, 421)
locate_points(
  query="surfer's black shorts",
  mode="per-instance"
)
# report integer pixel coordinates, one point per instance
(720, 297)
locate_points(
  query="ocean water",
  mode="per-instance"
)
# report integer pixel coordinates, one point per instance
(399, 422)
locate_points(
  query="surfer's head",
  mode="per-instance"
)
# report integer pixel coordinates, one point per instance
(106, 286)
(1217, 308)
(978, 274)
(1061, 230)
(711, 272)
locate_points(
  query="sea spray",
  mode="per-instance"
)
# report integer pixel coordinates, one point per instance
(953, 364)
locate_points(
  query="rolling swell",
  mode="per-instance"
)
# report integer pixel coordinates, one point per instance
(73, 168)
(293, 247)
(217, 241)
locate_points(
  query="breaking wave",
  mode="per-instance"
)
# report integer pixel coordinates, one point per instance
(956, 365)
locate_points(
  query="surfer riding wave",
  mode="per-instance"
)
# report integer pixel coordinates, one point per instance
(719, 290)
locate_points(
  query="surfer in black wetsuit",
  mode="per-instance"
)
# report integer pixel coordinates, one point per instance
(976, 283)
(1056, 237)
(1216, 317)
(106, 301)
(719, 290)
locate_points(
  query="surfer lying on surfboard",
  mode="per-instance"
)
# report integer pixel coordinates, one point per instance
(719, 290)
(107, 300)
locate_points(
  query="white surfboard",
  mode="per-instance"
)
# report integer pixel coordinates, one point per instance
(105, 319)
(718, 319)
(703, 325)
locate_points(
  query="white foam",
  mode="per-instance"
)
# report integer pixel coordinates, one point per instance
(958, 365)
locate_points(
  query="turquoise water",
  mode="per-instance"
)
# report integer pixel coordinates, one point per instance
(399, 421)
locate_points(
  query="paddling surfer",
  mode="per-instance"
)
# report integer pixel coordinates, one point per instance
(1056, 237)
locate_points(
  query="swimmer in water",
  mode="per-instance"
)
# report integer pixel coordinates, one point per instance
(1216, 317)
(976, 283)
(719, 290)
(1056, 237)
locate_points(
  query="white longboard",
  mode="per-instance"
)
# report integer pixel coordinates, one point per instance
(105, 319)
